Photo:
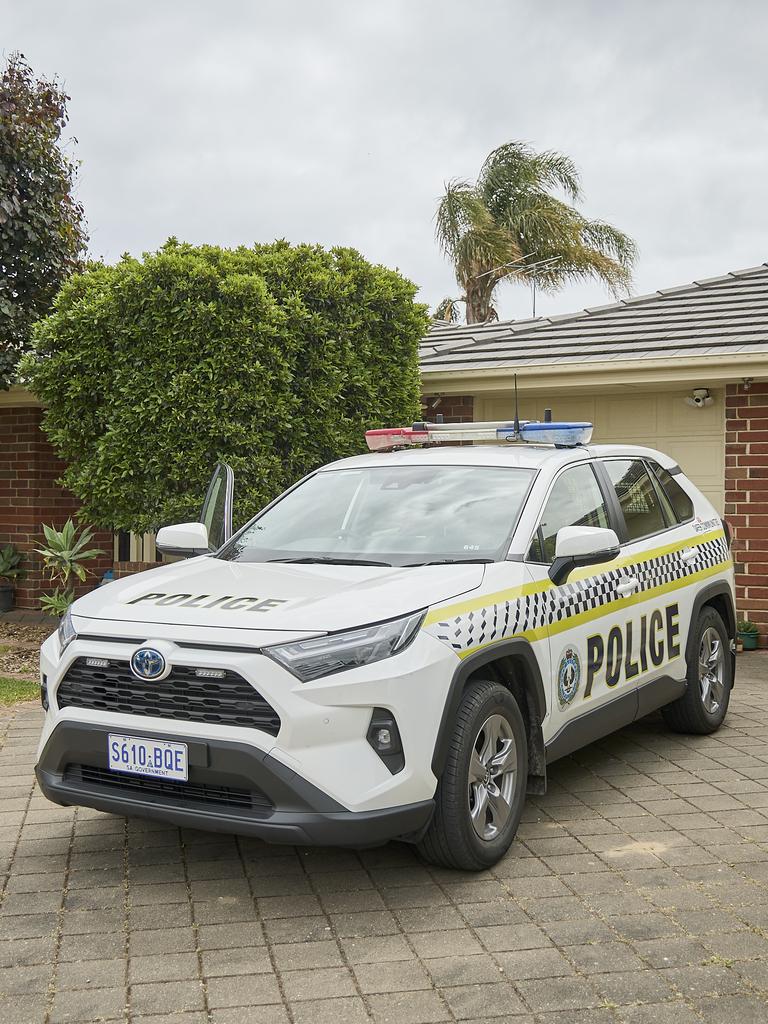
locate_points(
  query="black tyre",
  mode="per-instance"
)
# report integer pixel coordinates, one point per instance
(704, 704)
(481, 793)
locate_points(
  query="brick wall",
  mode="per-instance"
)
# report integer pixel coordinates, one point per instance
(30, 496)
(746, 498)
(129, 568)
(454, 408)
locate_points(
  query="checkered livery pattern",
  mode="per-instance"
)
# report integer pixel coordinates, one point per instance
(529, 612)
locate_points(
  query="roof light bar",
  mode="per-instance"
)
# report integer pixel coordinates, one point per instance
(394, 437)
(564, 435)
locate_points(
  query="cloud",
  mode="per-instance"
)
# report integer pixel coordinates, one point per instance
(339, 121)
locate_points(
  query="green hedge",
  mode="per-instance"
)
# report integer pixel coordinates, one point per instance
(275, 359)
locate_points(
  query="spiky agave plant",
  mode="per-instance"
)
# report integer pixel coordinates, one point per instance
(510, 219)
(63, 555)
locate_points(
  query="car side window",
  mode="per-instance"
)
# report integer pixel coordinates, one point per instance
(682, 506)
(575, 500)
(643, 513)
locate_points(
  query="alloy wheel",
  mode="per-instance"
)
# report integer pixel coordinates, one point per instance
(492, 772)
(711, 670)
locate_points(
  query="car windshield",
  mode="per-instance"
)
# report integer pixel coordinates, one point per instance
(390, 515)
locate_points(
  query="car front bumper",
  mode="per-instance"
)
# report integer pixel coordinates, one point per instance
(283, 806)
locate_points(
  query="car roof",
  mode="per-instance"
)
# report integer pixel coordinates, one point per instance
(520, 456)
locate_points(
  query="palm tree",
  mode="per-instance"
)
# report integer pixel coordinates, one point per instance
(509, 224)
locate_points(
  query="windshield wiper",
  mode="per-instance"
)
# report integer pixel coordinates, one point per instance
(328, 560)
(452, 561)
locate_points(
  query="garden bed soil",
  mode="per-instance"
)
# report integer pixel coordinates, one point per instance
(20, 647)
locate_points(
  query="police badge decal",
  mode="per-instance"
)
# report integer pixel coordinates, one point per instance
(568, 676)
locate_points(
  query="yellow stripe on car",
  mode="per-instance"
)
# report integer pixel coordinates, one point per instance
(539, 609)
(543, 586)
(541, 632)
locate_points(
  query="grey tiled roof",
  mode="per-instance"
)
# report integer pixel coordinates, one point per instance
(718, 316)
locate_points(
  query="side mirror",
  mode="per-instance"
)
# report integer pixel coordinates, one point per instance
(185, 539)
(578, 546)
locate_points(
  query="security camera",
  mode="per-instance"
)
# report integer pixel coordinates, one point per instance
(700, 398)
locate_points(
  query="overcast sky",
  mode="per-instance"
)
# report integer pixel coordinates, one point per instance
(337, 121)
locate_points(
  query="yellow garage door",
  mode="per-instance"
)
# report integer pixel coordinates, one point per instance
(694, 437)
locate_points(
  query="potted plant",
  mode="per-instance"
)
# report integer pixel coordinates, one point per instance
(63, 555)
(10, 558)
(748, 634)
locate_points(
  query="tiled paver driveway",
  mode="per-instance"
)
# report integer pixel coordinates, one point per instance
(637, 893)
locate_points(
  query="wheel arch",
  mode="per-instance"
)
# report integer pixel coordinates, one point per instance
(513, 664)
(717, 595)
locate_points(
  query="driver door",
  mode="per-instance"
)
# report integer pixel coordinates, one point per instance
(216, 513)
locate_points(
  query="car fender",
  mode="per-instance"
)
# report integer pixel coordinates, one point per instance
(722, 590)
(520, 652)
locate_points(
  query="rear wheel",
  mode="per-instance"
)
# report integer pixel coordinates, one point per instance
(480, 796)
(704, 704)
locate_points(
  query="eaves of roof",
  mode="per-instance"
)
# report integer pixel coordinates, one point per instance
(722, 319)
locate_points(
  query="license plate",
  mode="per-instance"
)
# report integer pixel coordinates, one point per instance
(138, 755)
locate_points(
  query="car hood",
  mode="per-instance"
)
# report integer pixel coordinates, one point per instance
(211, 592)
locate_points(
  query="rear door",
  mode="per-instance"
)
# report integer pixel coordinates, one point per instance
(657, 557)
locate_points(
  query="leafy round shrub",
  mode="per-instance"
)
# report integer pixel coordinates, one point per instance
(275, 359)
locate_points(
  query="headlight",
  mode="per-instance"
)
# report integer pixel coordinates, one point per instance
(66, 631)
(324, 655)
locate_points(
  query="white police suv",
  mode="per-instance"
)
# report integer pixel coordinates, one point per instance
(398, 645)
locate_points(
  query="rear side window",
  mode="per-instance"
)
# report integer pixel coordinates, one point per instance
(682, 506)
(575, 500)
(637, 496)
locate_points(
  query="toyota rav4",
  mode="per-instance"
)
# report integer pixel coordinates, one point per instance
(398, 645)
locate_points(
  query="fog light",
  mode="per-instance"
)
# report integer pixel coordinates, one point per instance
(384, 740)
(97, 662)
(209, 673)
(384, 736)
(44, 692)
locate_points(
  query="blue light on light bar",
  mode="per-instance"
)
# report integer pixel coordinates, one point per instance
(567, 435)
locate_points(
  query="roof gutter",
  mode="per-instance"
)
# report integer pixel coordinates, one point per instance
(711, 369)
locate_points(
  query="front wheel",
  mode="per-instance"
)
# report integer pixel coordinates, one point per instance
(703, 706)
(480, 796)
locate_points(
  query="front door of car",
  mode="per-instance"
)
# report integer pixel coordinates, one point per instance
(216, 513)
(586, 619)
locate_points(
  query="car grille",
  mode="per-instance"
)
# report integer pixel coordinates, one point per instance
(181, 696)
(165, 791)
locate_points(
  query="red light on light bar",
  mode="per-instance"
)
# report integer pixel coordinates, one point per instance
(394, 437)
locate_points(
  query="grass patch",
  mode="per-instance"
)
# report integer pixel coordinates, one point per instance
(14, 690)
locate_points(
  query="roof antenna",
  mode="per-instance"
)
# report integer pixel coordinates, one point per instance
(517, 418)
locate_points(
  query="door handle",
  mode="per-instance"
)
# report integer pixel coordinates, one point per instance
(689, 554)
(627, 586)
